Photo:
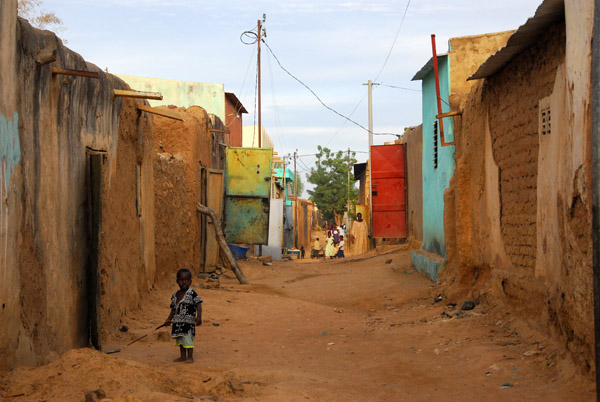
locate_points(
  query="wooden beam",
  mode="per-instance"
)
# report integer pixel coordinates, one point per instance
(138, 94)
(448, 114)
(164, 113)
(78, 73)
(225, 251)
(46, 56)
(215, 130)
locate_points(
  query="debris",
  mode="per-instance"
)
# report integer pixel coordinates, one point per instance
(268, 264)
(451, 304)
(444, 314)
(437, 299)
(531, 353)
(331, 343)
(124, 328)
(206, 398)
(207, 379)
(495, 367)
(338, 310)
(95, 396)
(389, 261)
(505, 385)
(467, 305)
(216, 324)
(235, 385)
(265, 259)
(436, 351)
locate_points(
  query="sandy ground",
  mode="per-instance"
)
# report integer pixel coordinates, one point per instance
(360, 329)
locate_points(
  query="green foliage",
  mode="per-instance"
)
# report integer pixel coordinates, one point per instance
(300, 185)
(330, 177)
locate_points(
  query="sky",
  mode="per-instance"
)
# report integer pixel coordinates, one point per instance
(332, 46)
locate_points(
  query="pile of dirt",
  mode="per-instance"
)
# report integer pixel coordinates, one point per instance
(80, 371)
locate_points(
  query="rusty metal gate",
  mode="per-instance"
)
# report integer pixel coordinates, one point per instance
(247, 193)
(389, 190)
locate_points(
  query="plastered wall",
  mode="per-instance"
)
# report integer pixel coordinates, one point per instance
(526, 220)
(182, 148)
(50, 123)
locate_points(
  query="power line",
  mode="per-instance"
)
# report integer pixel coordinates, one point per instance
(406, 89)
(317, 96)
(345, 121)
(393, 43)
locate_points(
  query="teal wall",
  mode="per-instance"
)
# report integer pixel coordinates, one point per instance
(10, 147)
(435, 181)
(211, 97)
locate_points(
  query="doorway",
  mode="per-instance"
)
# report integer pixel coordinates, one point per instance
(95, 161)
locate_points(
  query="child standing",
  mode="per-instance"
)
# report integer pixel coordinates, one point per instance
(340, 253)
(329, 248)
(186, 313)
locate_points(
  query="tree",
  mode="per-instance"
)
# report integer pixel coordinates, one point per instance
(330, 177)
(31, 10)
(300, 185)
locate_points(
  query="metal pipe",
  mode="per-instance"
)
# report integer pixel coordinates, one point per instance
(596, 186)
(438, 94)
(437, 82)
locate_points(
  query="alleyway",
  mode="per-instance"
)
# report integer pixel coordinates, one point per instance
(353, 330)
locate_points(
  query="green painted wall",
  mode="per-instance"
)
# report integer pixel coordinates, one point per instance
(182, 93)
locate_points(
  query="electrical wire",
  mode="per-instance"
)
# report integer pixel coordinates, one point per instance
(393, 43)
(406, 89)
(345, 121)
(275, 107)
(241, 93)
(317, 96)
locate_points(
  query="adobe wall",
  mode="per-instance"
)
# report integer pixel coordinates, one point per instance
(181, 149)
(52, 120)
(525, 222)
(413, 138)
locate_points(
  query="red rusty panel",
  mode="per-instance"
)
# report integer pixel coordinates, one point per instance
(389, 190)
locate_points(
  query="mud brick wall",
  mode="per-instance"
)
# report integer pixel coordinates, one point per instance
(513, 96)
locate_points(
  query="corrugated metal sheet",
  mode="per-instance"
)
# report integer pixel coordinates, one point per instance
(547, 14)
(247, 193)
(427, 68)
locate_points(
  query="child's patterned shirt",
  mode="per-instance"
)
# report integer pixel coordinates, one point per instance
(184, 313)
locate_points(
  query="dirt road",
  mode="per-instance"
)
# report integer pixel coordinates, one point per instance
(344, 330)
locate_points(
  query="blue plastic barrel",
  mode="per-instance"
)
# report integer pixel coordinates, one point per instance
(239, 252)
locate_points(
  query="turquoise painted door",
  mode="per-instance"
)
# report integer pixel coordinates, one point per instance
(247, 195)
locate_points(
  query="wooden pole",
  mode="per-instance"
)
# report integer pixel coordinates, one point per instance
(216, 222)
(296, 231)
(78, 73)
(164, 113)
(258, 84)
(138, 94)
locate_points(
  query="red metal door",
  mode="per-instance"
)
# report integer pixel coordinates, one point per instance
(389, 190)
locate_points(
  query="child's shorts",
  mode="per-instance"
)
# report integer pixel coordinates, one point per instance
(187, 341)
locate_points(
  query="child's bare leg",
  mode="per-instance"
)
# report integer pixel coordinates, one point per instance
(190, 355)
(181, 358)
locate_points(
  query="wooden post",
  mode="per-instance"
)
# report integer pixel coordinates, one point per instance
(78, 73)
(164, 113)
(222, 243)
(138, 94)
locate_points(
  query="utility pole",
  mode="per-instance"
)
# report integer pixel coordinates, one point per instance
(258, 84)
(348, 197)
(370, 85)
(295, 202)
